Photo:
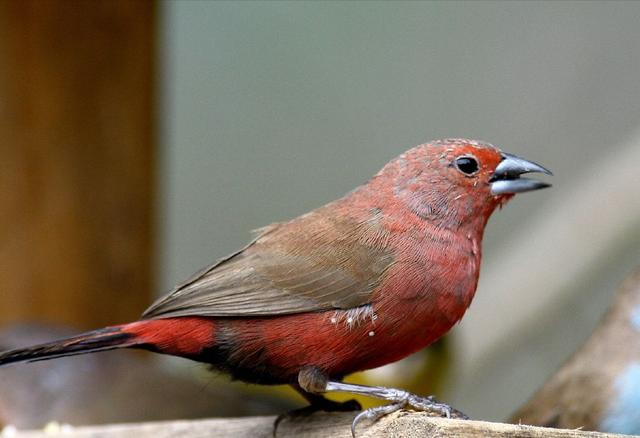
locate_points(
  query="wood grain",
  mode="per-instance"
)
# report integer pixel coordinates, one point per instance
(322, 425)
(76, 160)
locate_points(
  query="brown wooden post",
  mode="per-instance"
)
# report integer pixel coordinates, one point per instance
(76, 160)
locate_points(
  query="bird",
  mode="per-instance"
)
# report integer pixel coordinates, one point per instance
(358, 283)
(598, 388)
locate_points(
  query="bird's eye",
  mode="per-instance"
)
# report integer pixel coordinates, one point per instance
(467, 165)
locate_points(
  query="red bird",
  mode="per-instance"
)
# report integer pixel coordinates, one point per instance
(358, 283)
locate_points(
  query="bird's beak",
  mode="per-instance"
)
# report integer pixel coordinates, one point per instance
(506, 178)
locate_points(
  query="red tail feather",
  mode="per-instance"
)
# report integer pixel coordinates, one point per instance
(186, 336)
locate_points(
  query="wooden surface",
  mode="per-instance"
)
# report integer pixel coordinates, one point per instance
(401, 424)
(77, 160)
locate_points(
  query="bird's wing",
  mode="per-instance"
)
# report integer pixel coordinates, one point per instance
(316, 262)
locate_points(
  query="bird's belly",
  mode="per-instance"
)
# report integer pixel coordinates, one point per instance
(413, 308)
(274, 350)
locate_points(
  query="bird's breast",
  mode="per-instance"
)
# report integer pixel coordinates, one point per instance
(438, 272)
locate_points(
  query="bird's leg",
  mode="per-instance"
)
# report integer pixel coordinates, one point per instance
(314, 381)
(319, 403)
(316, 403)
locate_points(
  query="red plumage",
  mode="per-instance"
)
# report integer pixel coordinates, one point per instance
(358, 283)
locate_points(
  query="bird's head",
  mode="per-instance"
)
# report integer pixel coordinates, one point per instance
(454, 182)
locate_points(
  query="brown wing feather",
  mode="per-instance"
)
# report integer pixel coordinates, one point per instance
(316, 262)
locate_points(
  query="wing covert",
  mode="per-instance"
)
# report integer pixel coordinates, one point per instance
(285, 270)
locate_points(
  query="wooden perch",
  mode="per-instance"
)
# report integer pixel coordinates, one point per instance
(401, 424)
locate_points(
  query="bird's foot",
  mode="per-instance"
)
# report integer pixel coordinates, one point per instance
(408, 400)
(399, 399)
(312, 381)
(318, 404)
(430, 404)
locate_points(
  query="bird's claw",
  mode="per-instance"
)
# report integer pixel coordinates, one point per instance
(423, 404)
(375, 413)
(430, 404)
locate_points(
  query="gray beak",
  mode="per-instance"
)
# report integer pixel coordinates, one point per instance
(506, 178)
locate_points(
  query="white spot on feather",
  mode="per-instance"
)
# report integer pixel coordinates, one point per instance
(354, 317)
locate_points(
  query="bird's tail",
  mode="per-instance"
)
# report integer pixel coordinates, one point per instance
(185, 336)
(98, 340)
